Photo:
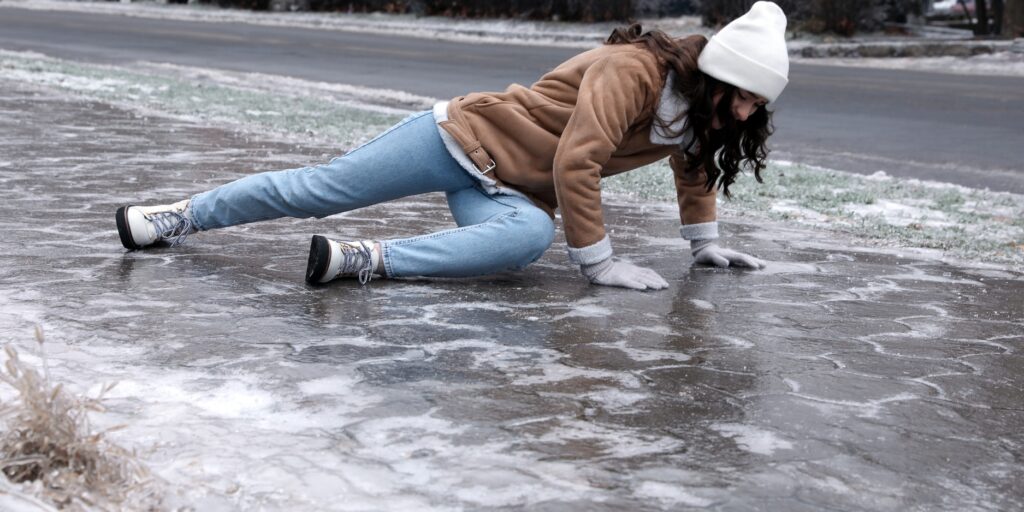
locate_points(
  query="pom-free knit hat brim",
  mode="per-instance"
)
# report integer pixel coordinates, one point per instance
(750, 52)
(735, 68)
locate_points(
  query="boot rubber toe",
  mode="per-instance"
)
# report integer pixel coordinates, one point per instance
(319, 260)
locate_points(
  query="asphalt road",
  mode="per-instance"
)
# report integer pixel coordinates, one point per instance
(961, 129)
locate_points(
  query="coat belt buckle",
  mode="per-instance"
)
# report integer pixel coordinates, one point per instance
(490, 167)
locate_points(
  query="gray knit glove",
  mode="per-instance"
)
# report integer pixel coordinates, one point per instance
(709, 253)
(609, 272)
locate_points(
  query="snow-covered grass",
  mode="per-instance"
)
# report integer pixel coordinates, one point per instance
(341, 115)
(966, 223)
(880, 209)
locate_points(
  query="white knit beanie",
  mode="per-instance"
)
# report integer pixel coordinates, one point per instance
(750, 53)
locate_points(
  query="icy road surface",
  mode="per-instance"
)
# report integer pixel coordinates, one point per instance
(836, 378)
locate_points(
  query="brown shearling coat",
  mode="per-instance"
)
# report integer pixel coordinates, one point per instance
(589, 118)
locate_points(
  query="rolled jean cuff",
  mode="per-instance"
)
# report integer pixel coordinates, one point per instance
(591, 254)
(702, 231)
(190, 212)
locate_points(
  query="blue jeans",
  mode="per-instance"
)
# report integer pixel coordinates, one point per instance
(496, 232)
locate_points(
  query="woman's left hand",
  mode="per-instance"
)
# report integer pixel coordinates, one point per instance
(710, 253)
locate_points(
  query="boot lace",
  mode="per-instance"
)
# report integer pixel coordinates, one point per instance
(172, 226)
(358, 261)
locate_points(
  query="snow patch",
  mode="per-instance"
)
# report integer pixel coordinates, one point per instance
(995, 64)
(901, 214)
(671, 493)
(333, 385)
(752, 439)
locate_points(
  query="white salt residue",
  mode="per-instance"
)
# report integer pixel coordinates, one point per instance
(752, 439)
(671, 493)
(702, 304)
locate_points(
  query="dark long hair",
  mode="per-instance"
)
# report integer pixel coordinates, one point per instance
(722, 153)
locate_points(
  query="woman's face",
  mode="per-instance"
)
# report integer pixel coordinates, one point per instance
(744, 104)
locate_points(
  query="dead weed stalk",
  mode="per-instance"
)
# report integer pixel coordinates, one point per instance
(48, 444)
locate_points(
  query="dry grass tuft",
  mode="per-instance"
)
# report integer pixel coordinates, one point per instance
(48, 444)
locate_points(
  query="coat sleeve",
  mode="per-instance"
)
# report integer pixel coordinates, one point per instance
(697, 205)
(613, 94)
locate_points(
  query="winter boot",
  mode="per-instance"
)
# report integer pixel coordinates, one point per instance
(141, 226)
(329, 259)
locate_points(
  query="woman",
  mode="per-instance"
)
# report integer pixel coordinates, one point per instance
(507, 161)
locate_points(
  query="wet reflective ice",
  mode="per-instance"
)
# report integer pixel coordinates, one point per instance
(837, 378)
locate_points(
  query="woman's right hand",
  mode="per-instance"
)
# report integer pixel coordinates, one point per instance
(709, 253)
(622, 274)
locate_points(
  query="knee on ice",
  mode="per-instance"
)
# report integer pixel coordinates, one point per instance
(534, 233)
